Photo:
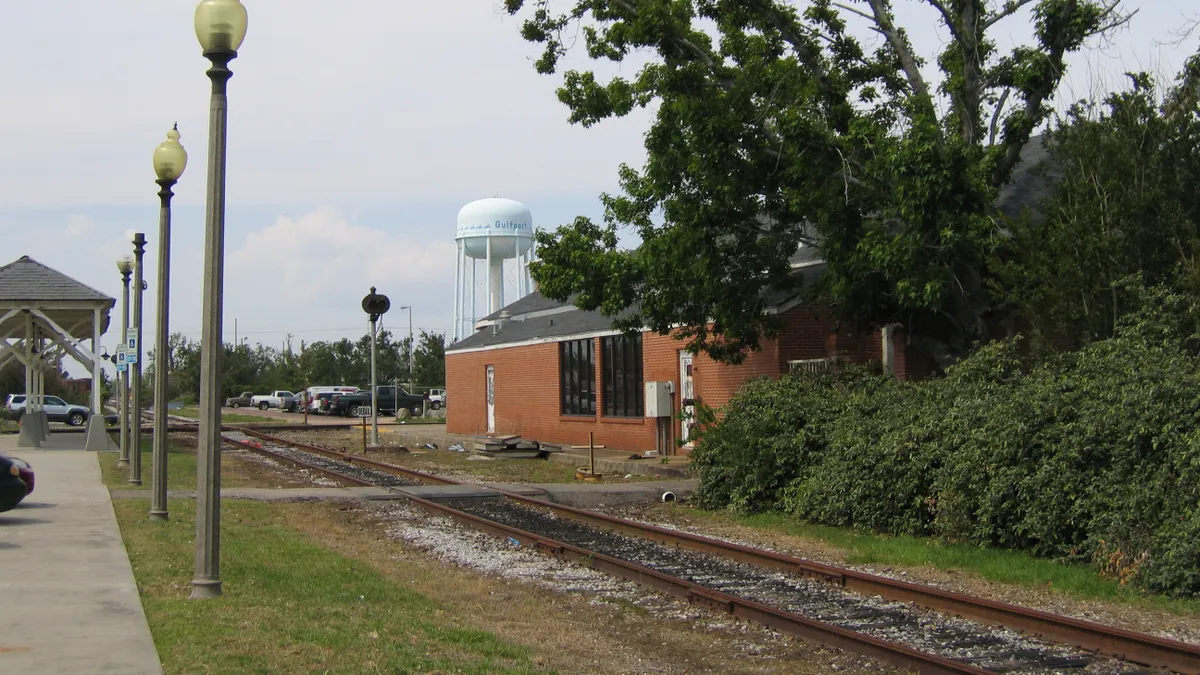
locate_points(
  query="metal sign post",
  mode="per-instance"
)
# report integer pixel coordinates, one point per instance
(363, 413)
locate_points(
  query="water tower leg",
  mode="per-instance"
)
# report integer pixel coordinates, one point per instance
(458, 268)
(495, 281)
(473, 293)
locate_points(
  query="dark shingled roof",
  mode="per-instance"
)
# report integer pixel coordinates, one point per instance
(534, 302)
(570, 322)
(29, 280)
(1027, 188)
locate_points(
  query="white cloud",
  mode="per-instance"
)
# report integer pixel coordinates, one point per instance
(321, 256)
(78, 226)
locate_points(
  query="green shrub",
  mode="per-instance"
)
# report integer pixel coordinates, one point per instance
(1092, 455)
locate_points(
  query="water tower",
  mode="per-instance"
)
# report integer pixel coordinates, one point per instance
(490, 231)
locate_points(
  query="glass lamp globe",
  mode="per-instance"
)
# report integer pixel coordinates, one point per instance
(170, 159)
(220, 25)
(125, 265)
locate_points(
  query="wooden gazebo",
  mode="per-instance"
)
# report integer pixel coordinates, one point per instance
(44, 314)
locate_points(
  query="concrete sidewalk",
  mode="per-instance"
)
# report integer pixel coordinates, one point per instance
(71, 605)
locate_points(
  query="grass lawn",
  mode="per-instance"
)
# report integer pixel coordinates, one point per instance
(181, 468)
(1008, 567)
(292, 606)
(421, 420)
(230, 418)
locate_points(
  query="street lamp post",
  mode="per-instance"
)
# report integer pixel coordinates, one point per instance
(135, 451)
(125, 266)
(375, 305)
(220, 28)
(412, 377)
(170, 159)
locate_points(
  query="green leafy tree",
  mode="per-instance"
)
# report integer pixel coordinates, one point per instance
(430, 360)
(1124, 203)
(775, 126)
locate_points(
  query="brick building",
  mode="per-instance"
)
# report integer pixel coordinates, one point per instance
(553, 373)
(553, 370)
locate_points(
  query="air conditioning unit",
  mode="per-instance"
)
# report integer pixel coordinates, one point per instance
(658, 398)
(810, 365)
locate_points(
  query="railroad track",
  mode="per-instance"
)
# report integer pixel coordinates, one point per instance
(916, 627)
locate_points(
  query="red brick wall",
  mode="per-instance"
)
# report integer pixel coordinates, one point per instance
(716, 383)
(527, 397)
(527, 390)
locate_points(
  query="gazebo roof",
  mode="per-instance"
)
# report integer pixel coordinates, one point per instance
(30, 281)
(28, 284)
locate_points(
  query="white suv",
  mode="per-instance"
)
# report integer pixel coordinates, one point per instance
(57, 410)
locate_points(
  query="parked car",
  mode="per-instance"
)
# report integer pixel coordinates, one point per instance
(314, 402)
(12, 488)
(25, 470)
(437, 398)
(289, 403)
(320, 402)
(57, 410)
(14, 405)
(391, 399)
(272, 400)
(243, 400)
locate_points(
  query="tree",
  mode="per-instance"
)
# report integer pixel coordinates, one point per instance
(1124, 204)
(429, 360)
(777, 127)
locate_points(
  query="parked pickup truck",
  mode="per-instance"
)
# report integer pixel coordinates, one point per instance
(391, 399)
(243, 400)
(273, 400)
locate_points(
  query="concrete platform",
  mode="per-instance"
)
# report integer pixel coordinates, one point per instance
(58, 440)
(70, 600)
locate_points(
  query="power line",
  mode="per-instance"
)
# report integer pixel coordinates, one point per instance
(355, 329)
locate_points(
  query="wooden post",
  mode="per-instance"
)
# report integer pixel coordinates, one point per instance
(364, 429)
(592, 452)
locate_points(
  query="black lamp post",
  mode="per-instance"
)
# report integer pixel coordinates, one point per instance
(139, 286)
(170, 159)
(220, 28)
(125, 267)
(375, 305)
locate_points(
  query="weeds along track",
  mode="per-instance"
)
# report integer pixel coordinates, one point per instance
(923, 629)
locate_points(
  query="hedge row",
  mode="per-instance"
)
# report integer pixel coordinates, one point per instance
(1092, 455)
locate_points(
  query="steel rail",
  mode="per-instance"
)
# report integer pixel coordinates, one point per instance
(693, 593)
(1140, 648)
(292, 460)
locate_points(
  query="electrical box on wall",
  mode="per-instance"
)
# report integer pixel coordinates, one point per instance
(658, 398)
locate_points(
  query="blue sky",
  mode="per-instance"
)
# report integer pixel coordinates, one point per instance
(357, 130)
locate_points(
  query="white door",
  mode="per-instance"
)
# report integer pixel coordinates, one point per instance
(491, 399)
(686, 393)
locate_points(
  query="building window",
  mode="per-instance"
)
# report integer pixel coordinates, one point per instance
(621, 361)
(577, 377)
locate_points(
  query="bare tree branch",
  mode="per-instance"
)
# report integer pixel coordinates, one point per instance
(1182, 33)
(883, 21)
(1033, 112)
(948, 17)
(993, 127)
(1010, 8)
(858, 12)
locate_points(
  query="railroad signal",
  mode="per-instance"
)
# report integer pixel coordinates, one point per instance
(376, 304)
